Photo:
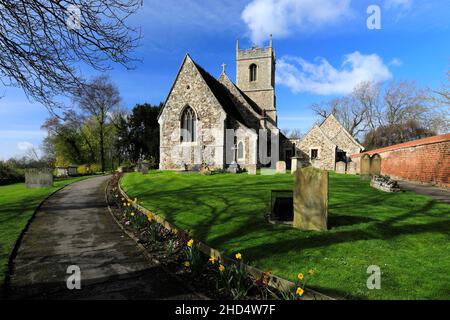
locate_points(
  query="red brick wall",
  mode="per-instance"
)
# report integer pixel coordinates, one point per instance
(426, 160)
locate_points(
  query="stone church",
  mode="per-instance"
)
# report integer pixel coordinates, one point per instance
(215, 121)
(218, 123)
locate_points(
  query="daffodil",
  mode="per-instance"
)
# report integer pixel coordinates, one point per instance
(311, 272)
(187, 264)
(238, 256)
(299, 291)
(132, 214)
(300, 276)
(212, 259)
(221, 268)
(190, 243)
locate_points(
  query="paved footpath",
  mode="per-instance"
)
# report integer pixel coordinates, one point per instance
(439, 194)
(74, 227)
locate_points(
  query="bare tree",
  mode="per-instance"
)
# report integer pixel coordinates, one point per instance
(42, 40)
(295, 134)
(99, 99)
(353, 111)
(440, 100)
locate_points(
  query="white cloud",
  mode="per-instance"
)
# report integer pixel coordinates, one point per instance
(401, 4)
(24, 146)
(284, 17)
(324, 79)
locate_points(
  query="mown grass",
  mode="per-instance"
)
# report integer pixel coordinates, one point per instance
(405, 234)
(17, 204)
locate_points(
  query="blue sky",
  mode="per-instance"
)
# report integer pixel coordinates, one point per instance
(323, 48)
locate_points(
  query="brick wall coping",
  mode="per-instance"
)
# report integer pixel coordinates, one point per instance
(409, 144)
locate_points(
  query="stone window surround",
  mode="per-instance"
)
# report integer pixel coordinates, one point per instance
(318, 152)
(189, 143)
(253, 72)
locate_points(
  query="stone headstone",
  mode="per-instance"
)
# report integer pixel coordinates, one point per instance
(72, 171)
(365, 166)
(281, 167)
(251, 169)
(295, 164)
(62, 172)
(351, 168)
(233, 168)
(341, 167)
(38, 178)
(375, 165)
(311, 199)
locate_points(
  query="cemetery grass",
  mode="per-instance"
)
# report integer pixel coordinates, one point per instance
(17, 204)
(405, 234)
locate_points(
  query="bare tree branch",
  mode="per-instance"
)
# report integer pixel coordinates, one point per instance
(41, 43)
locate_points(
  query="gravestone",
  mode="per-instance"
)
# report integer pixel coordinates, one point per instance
(38, 178)
(251, 169)
(62, 172)
(295, 164)
(311, 199)
(375, 165)
(281, 167)
(341, 167)
(72, 171)
(365, 166)
(351, 168)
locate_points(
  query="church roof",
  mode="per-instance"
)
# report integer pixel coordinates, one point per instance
(221, 94)
(332, 118)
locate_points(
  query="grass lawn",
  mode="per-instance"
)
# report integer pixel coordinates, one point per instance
(17, 204)
(405, 234)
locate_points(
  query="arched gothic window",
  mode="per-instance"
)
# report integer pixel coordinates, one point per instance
(240, 150)
(188, 125)
(253, 71)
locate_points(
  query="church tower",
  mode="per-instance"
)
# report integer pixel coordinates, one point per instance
(255, 76)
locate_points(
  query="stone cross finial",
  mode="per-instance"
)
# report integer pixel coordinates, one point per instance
(223, 68)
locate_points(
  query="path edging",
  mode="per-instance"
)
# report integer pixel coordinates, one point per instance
(143, 249)
(275, 282)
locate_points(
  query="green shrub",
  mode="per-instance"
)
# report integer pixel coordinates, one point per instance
(9, 174)
(84, 169)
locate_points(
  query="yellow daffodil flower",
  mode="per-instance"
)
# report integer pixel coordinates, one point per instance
(190, 243)
(238, 256)
(132, 214)
(299, 291)
(221, 268)
(300, 276)
(187, 264)
(311, 272)
(212, 259)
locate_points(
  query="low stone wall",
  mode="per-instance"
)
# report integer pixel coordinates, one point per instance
(425, 160)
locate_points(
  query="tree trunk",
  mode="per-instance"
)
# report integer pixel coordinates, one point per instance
(102, 148)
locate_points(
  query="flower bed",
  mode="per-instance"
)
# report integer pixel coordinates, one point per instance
(211, 276)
